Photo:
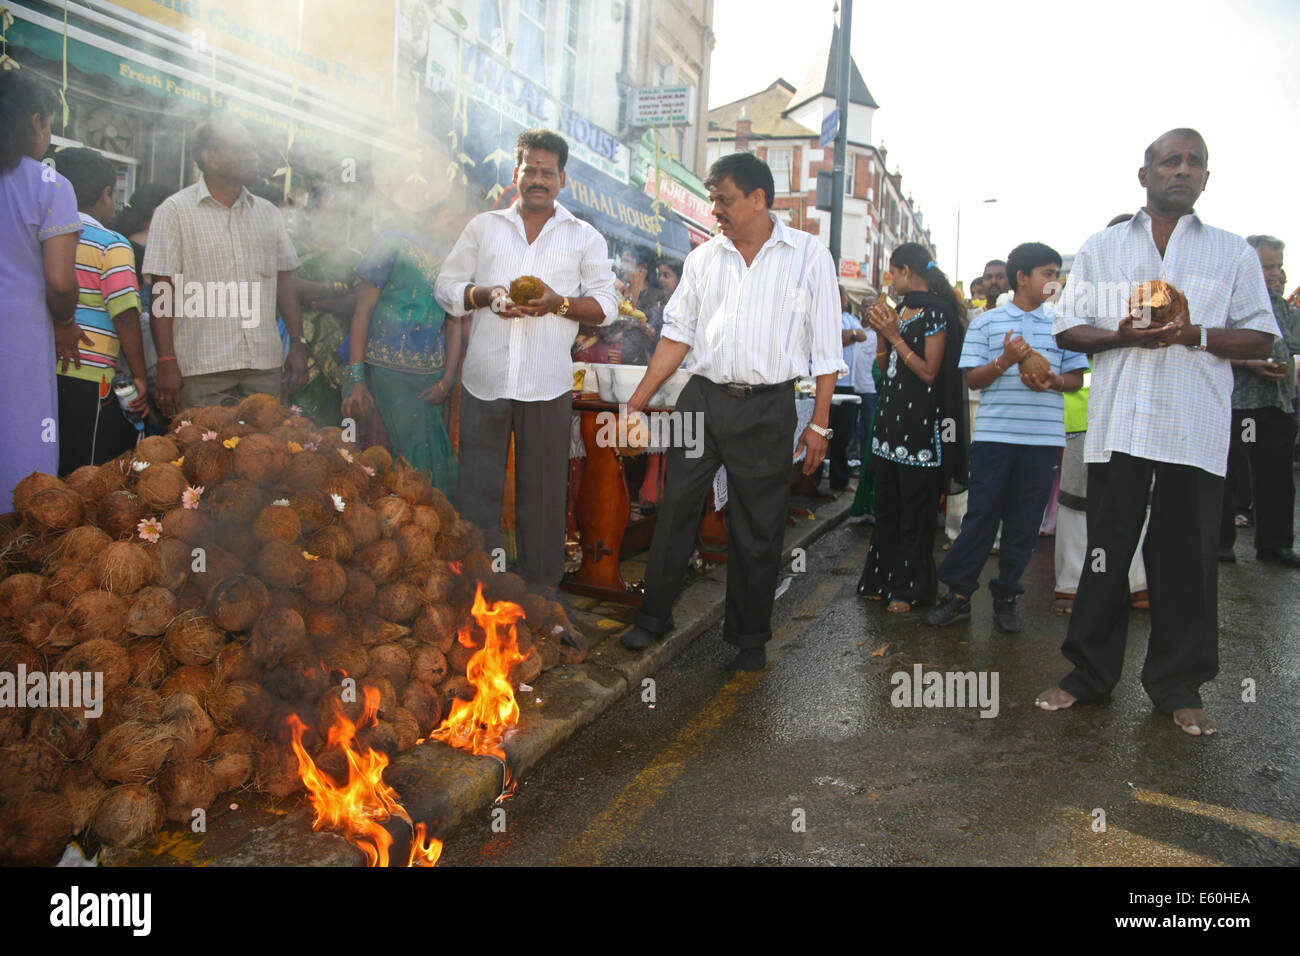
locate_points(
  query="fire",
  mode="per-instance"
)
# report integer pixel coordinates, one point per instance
(359, 807)
(480, 724)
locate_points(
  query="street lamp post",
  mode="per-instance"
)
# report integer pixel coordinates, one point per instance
(956, 265)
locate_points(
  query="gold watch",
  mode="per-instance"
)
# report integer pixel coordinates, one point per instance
(564, 307)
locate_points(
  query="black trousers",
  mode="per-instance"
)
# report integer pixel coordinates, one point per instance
(1267, 459)
(900, 563)
(541, 431)
(1181, 554)
(83, 441)
(843, 418)
(753, 437)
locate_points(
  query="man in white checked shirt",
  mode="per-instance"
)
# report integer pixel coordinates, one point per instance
(518, 374)
(1160, 404)
(757, 307)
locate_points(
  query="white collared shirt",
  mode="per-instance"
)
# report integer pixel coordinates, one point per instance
(527, 359)
(1171, 404)
(772, 321)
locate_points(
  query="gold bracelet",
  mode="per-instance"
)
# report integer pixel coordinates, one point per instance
(997, 366)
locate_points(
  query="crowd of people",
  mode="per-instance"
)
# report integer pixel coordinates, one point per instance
(1137, 442)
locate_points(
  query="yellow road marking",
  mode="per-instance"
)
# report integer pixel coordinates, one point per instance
(635, 800)
(1117, 846)
(1283, 831)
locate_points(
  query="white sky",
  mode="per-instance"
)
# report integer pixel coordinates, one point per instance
(1048, 105)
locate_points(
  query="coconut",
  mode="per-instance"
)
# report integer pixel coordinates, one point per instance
(343, 659)
(99, 656)
(314, 509)
(84, 793)
(187, 435)
(187, 524)
(382, 560)
(361, 523)
(172, 562)
(186, 787)
(160, 485)
(239, 540)
(13, 728)
(421, 701)
(212, 417)
(504, 587)
(278, 633)
(307, 471)
(12, 654)
(276, 772)
(54, 509)
(236, 602)
(387, 693)
(325, 623)
(393, 512)
(190, 678)
(450, 544)
(414, 544)
(332, 542)
(261, 458)
(215, 566)
(262, 411)
(527, 670)
(37, 481)
(281, 564)
(326, 582)
(297, 678)
(80, 545)
(207, 463)
(19, 593)
(88, 483)
(277, 523)
(34, 829)
(549, 651)
(370, 629)
(287, 597)
(132, 703)
(377, 457)
(456, 687)
(390, 661)
(97, 614)
(240, 705)
(231, 760)
(459, 657)
(380, 736)
(128, 816)
(152, 610)
(410, 484)
(193, 638)
(437, 625)
(69, 581)
(190, 725)
(124, 567)
(330, 707)
(428, 664)
(360, 593)
(132, 752)
(441, 585)
(156, 449)
(398, 602)
(37, 623)
(67, 729)
(235, 502)
(1035, 366)
(29, 764)
(233, 663)
(149, 663)
(114, 474)
(406, 728)
(344, 487)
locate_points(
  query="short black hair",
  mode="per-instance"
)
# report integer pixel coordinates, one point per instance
(89, 173)
(1266, 242)
(747, 171)
(675, 265)
(539, 138)
(995, 262)
(978, 280)
(1027, 257)
(1149, 156)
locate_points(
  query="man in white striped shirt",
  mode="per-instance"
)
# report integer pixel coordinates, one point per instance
(518, 374)
(757, 307)
(1160, 404)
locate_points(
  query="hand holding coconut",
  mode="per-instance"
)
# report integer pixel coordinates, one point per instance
(884, 321)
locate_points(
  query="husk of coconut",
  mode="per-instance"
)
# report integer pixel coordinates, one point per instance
(377, 457)
(437, 625)
(185, 787)
(326, 623)
(131, 752)
(114, 474)
(67, 729)
(239, 540)
(149, 663)
(276, 773)
(360, 593)
(361, 523)
(459, 657)
(331, 542)
(187, 435)
(19, 593)
(160, 485)
(240, 705)
(527, 670)
(54, 509)
(299, 677)
(380, 736)
(262, 411)
(344, 487)
(235, 430)
(428, 665)
(535, 609)
(152, 610)
(505, 586)
(212, 417)
(132, 703)
(190, 725)
(393, 512)
(193, 638)
(29, 764)
(190, 678)
(217, 565)
(62, 636)
(235, 502)
(207, 463)
(173, 559)
(236, 602)
(373, 492)
(187, 524)
(68, 581)
(38, 621)
(549, 652)
(34, 829)
(410, 484)
(449, 544)
(314, 509)
(414, 544)
(441, 585)
(99, 656)
(330, 705)
(279, 632)
(390, 661)
(13, 728)
(307, 471)
(233, 662)
(406, 728)
(84, 793)
(277, 523)
(370, 629)
(231, 765)
(281, 564)
(381, 560)
(80, 545)
(156, 449)
(261, 458)
(455, 687)
(12, 654)
(325, 583)
(88, 483)
(398, 602)
(287, 597)
(425, 517)
(124, 567)
(387, 693)
(343, 659)
(36, 482)
(420, 700)
(128, 816)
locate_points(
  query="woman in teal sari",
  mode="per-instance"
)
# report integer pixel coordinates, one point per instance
(403, 359)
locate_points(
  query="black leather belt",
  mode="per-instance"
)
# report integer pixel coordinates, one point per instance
(737, 390)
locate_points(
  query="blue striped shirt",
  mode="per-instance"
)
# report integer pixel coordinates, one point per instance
(1010, 411)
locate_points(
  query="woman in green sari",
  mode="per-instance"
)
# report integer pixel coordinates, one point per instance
(403, 357)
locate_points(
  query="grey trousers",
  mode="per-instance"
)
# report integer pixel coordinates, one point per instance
(227, 388)
(541, 431)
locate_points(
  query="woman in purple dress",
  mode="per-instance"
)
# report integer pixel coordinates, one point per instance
(39, 229)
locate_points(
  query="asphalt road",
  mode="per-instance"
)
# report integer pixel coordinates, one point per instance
(809, 762)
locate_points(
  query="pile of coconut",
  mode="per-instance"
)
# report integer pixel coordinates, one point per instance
(221, 578)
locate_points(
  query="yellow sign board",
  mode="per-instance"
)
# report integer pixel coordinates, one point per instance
(339, 47)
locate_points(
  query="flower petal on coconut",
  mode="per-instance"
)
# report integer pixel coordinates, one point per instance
(295, 447)
(150, 529)
(209, 435)
(190, 497)
(231, 442)
(339, 504)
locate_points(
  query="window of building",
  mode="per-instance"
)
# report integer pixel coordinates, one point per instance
(850, 167)
(530, 49)
(780, 162)
(491, 26)
(663, 72)
(569, 66)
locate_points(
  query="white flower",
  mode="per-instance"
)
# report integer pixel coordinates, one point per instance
(282, 502)
(139, 465)
(338, 502)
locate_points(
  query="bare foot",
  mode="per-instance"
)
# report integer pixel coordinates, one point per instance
(1055, 699)
(1195, 721)
(874, 597)
(898, 607)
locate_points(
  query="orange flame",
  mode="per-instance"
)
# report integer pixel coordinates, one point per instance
(480, 724)
(359, 808)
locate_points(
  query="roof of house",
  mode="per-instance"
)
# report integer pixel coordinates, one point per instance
(823, 79)
(765, 110)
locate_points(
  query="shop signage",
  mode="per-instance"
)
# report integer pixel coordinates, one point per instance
(849, 268)
(661, 106)
(678, 197)
(598, 200)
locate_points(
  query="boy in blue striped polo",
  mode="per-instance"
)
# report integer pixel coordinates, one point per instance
(1017, 441)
